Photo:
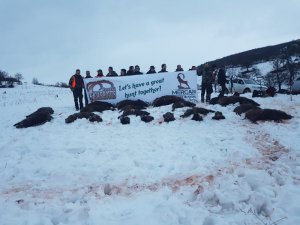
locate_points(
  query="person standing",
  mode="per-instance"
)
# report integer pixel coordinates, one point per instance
(222, 79)
(76, 85)
(111, 72)
(123, 72)
(99, 73)
(193, 68)
(137, 70)
(87, 75)
(163, 68)
(151, 70)
(207, 79)
(130, 71)
(178, 68)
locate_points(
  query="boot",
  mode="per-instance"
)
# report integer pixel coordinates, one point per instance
(207, 98)
(76, 106)
(202, 99)
(80, 103)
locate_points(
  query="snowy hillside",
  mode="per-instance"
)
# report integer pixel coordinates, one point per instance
(183, 172)
(264, 68)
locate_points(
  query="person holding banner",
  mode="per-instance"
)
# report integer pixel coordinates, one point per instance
(99, 73)
(179, 68)
(130, 71)
(76, 85)
(151, 70)
(163, 68)
(88, 75)
(123, 72)
(111, 72)
(207, 80)
(193, 68)
(137, 70)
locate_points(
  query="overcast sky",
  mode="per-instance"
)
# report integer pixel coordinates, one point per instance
(49, 39)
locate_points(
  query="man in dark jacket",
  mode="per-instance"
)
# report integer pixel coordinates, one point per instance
(76, 85)
(137, 70)
(163, 68)
(178, 68)
(130, 71)
(207, 80)
(151, 70)
(111, 72)
(222, 79)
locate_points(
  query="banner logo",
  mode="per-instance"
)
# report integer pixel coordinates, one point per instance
(101, 90)
(180, 78)
(184, 90)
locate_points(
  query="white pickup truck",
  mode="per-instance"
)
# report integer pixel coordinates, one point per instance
(242, 85)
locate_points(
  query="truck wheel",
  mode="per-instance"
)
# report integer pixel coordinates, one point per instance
(247, 90)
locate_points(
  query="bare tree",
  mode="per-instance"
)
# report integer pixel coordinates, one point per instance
(19, 76)
(35, 81)
(3, 75)
(280, 72)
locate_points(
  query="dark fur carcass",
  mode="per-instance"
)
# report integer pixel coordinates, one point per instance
(181, 104)
(124, 120)
(243, 108)
(271, 91)
(98, 106)
(166, 100)
(127, 107)
(132, 111)
(92, 117)
(168, 117)
(218, 116)
(147, 118)
(258, 114)
(197, 117)
(138, 104)
(224, 101)
(215, 100)
(39, 117)
(196, 110)
(46, 110)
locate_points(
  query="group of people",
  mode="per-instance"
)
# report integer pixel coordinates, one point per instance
(212, 76)
(134, 70)
(76, 81)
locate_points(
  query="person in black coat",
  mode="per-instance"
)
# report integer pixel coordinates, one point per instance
(76, 85)
(222, 79)
(206, 84)
(178, 68)
(130, 71)
(163, 68)
(123, 72)
(111, 72)
(137, 70)
(151, 70)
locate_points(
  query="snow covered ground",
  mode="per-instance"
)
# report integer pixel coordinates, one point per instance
(183, 172)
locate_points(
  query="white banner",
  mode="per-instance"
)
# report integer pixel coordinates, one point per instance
(146, 87)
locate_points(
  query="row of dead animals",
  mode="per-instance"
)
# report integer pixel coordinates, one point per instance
(136, 107)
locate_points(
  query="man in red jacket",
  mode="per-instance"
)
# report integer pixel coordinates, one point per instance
(76, 85)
